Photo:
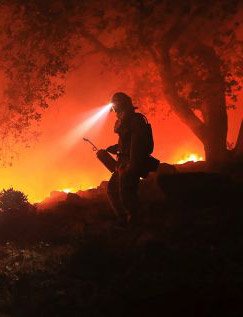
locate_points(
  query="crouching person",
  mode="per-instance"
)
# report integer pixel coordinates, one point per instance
(134, 148)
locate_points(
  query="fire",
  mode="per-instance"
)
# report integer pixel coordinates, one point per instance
(190, 158)
(67, 190)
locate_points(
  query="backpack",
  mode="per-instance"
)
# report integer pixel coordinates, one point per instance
(149, 135)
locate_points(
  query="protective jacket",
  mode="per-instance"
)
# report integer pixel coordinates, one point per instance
(135, 144)
(132, 147)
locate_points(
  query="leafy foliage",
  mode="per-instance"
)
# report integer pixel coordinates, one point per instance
(33, 63)
(187, 53)
(12, 201)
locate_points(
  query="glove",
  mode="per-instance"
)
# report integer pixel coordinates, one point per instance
(113, 149)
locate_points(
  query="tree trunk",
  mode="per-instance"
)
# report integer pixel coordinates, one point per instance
(212, 131)
(215, 141)
(238, 150)
(214, 108)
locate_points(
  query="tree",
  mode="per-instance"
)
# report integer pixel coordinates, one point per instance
(185, 52)
(13, 201)
(191, 53)
(32, 65)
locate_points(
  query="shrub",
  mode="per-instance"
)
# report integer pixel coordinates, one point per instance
(13, 201)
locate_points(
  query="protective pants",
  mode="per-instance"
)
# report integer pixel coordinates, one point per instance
(123, 192)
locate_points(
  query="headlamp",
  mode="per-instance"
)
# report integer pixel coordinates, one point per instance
(116, 108)
(113, 108)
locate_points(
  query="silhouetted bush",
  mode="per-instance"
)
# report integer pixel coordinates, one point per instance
(12, 200)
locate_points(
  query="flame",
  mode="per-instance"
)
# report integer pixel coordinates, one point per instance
(190, 158)
(67, 190)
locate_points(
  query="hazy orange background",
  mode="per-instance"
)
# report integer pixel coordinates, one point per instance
(49, 165)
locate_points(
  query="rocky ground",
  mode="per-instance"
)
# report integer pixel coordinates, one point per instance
(184, 256)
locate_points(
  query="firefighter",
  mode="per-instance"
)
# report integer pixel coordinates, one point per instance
(133, 151)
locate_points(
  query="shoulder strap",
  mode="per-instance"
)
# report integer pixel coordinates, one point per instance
(145, 118)
(142, 116)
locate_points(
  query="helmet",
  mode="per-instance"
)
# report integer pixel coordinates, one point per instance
(122, 102)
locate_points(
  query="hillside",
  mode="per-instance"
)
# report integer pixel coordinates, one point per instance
(184, 257)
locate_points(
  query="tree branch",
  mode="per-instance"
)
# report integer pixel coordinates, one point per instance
(178, 105)
(98, 45)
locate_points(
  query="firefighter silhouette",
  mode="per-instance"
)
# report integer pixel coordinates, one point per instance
(134, 148)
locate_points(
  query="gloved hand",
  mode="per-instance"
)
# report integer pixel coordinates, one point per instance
(113, 149)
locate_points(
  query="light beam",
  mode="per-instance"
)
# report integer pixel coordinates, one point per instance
(79, 131)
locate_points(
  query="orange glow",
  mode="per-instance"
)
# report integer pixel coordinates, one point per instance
(67, 190)
(62, 160)
(192, 157)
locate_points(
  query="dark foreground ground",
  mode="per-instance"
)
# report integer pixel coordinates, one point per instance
(185, 258)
